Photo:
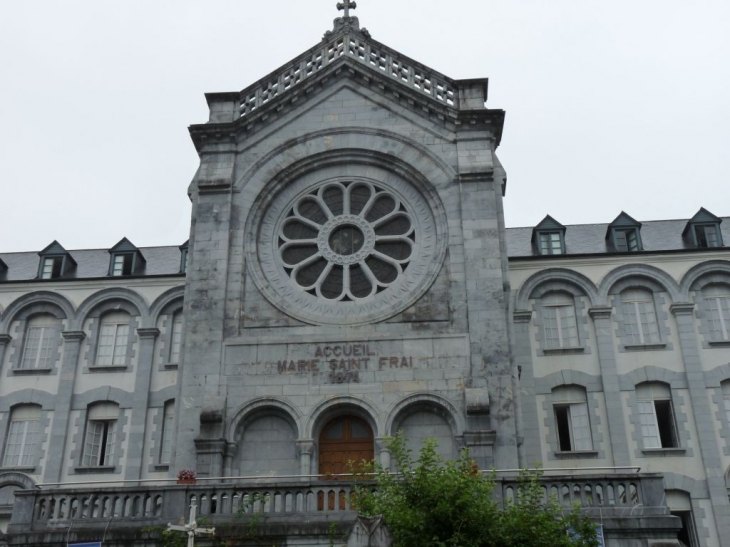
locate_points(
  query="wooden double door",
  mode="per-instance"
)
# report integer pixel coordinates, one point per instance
(343, 440)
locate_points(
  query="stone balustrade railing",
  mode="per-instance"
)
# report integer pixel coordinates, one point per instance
(48, 509)
(378, 57)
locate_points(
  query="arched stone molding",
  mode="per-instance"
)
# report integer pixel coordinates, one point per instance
(159, 398)
(556, 279)
(716, 376)
(13, 478)
(45, 400)
(641, 275)
(262, 405)
(341, 406)
(629, 381)
(424, 401)
(546, 384)
(123, 398)
(712, 271)
(297, 156)
(111, 299)
(676, 481)
(37, 302)
(168, 302)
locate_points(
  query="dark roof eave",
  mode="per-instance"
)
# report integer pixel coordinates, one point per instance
(635, 253)
(85, 279)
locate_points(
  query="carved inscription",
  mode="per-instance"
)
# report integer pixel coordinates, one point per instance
(342, 363)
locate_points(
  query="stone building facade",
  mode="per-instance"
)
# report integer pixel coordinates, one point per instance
(349, 276)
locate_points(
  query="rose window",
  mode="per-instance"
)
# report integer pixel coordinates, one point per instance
(346, 241)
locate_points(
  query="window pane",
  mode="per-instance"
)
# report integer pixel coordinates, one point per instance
(166, 444)
(550, 326)
(120, 345)
(176, 339)
(647, 422)
(568, 327)
(581, 427)
(92, 446)
(632, 240)
(562, 421)
(718, 317)
(47, 268)
(107, 335)
(110, 431)
(665, 421)
(118, 267)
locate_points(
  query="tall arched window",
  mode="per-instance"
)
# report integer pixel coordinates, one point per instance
(573, 426)
(113, 339)
(717, 298)
(100, 439)
(23, 436)
(640, 324)
(176, 338)
(41, 342)
(168, 419)
(558, 315)
(656, 415)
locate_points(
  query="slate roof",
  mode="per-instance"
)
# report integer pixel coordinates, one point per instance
(92, 263)
(580, 239)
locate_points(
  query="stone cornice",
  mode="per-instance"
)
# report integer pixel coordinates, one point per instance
(682, 308)
(73, 335)
(5, 339)
(603, 312)
(148, 332)
(522, 316)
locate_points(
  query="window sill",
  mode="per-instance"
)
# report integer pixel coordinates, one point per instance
(563, 351)
(115, 368)
(30, 371)
(97, 469)
(18, 469)
(170, 366)
(664, 451)
(644, 347)
(719, 343)
(162, 467)
(576, 454)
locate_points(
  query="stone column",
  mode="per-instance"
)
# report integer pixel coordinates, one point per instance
(704, 418)
(62, 408)
(305, 449)
(611, 390)
(140, 400)
(5, 340)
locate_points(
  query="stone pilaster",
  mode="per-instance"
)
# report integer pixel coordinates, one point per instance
(231, 449)
(612, 392)
(59, 428)
(528, 446)
(305, 450)
(5, 340)
(704, 418)
(137, 426)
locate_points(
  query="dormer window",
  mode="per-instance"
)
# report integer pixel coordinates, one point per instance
(122, 264)
(126, 259)
(548, 237)
(703, 230)
(624, 234)
(55, 262)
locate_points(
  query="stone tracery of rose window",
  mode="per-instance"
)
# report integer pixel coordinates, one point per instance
(346, 241)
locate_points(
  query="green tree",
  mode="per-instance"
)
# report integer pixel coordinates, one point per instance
(429, 501)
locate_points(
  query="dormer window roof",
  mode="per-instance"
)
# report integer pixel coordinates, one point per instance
(703, 230)
(55, 262)
(126, 259)
(624, 234)
(184, 256)
(3, 269)
(548, 237)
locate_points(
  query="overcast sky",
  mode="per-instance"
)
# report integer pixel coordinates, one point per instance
(611, 105)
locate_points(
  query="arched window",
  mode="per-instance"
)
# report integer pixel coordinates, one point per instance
(680, 505)
(558, 315)
(343, 440)
(41, 342)
(656, 415)
(640, 324)
(717, 298)
(573, 426)
(23, 436)
(100, 439)
(168, 419)
(113, 339)
(176, 338)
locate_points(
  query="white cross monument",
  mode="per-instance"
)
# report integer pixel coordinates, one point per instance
(191, 527)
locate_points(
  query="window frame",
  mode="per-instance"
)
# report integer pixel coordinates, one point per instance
(647, 400)
(127, 265)
(29, 449)
(620, 238)
(116, 341)
(723, 313)
(53, 339)
(630, 308)
(550, 249)
(175, 338)
(570, 303)
(102, 419)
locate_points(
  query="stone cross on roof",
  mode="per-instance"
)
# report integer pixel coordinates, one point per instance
(347, 5)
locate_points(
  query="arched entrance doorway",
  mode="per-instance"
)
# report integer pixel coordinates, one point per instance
(345, 439)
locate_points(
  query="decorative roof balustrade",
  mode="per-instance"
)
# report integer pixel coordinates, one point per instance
(375, 56)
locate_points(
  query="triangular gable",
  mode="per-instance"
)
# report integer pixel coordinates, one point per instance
(351, 53)
(703, 216)
(548, 224)
(124, 246)
(55, 248)
(623, 221)
(3, 267)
